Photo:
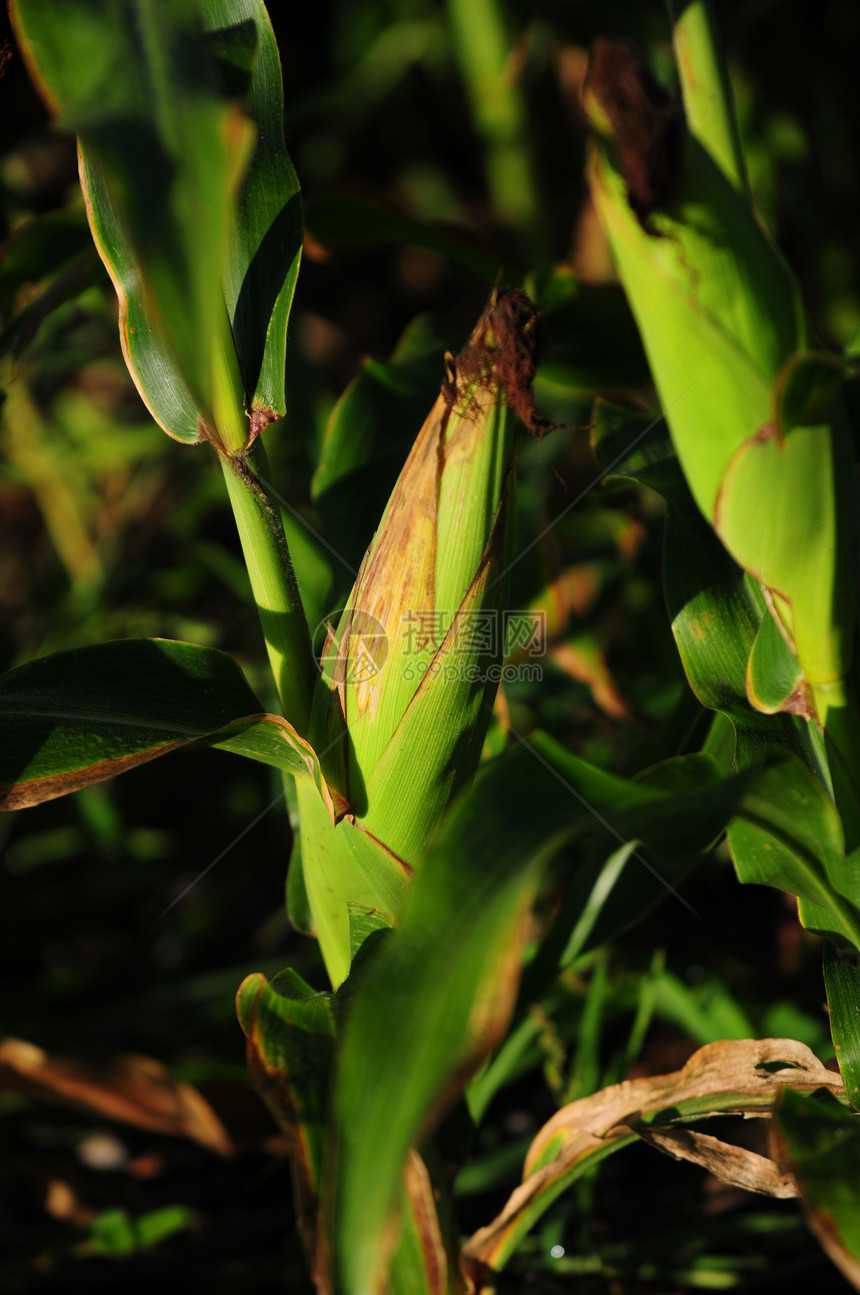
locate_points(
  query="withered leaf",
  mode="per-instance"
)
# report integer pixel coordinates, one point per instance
(130, 1089)
(737, 1077)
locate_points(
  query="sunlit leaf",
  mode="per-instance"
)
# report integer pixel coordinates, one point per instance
(162, 152)
(262, 264)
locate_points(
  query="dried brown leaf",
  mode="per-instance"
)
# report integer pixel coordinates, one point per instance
(734, 1165)
(739, 1077)
(130, 1089)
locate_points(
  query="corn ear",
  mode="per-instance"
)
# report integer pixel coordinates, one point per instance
(409, 673)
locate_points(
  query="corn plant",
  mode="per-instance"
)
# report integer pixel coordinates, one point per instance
(432, 853)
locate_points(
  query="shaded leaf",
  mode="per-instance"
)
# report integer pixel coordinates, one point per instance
(162, 152)
(791, 837)
(81, 716)
(359, 218)
(54, 251)
(439, 995)
(591, 340)
(843, 1000)
(369, 434)
(714, 610)
(818, 1141)
(290, 1032)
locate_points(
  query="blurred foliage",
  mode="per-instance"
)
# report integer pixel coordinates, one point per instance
(109, 530)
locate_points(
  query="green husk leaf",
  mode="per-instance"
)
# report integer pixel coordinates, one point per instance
(437, 743)
(717, 311)
(344, 865)
(786, 511)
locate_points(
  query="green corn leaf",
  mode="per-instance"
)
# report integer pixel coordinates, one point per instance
(774, 676)
(290, 1032)
(344, 867)
(81, 716)
(162, 152)
(440, 992)
(193, 202)
(792, 838)
(818, 1141)
(843, 994)
(442, 989)
(262, 265)
(424, 1262)
(714, 609)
